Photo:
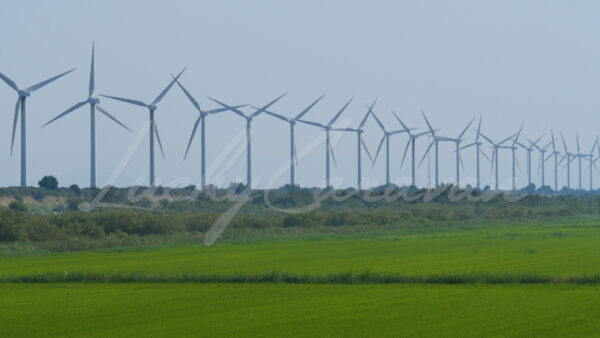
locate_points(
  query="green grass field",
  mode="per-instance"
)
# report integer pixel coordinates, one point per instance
(565, 248)
(127, 310)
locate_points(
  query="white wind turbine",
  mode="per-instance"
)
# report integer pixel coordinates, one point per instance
(386, 138)
(153, 127)
(94, 103)
(497, 147)
(328, 148)
(292, 122)
(411, 142)
(202, 121)
(23, 95)
(248, 119)
(478, 151)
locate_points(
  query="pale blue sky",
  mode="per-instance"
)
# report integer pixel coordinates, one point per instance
(514, 61)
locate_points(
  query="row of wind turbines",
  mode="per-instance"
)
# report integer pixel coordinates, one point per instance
(512, 142)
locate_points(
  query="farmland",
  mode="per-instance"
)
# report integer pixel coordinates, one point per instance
(165, 295)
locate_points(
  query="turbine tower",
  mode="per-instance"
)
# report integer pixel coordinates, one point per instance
(94, 103)
(497, 147)
(579, 156)
(436, 140)
(248, 131)
(478, 150)
(23, 94)
(292, 122)
(458, 141)
(202, 121)
(328, 148)
(360, 142)
(513, 148)
(567, 155)
(153, 127)
(412, 138)
(386, 138)
(555, 153)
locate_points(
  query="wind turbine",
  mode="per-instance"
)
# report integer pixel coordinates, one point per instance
(513, 149)
(532, 145)
(412, 138)
(94, 103)
(202, 121)
(543, 158)
(153, 127)
(248, 119)
(555, 153)
(23, 94)
(497, 147)
(579, 156)
(458, 141)
(386, 138)
(328, 148)
(592, 161)
(292, 122)
(436, 140)
(567, 155)
(478, 150)
(360, 142)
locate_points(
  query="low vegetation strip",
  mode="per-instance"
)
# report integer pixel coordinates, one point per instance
(349, 277)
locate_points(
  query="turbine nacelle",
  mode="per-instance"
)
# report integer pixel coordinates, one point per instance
(93, 100)
(152, 107)
(23, 93)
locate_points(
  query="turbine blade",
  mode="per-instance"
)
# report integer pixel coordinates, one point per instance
(343, 129)
(92, 80)
(340, 112)
(577, 137)
(552, 136)
(295, 155)
(158, 139)
(367, 149)
(563, 141)
(281, 117)
(493, 160)
(45, 82)
(232, 108)
(15, 118)
(378, 149)
(517, 163)
(378, 121)
(465, 130)
(192, 137)
(467, 146)
(189, 96)
(428, 124)
(332, 155)
(484, 155)
(316, 124)
(164, 92)
(402, 123)
(487, 138)
(299, 116)
(421, 134)
(478, 128)
(506, 139)
(428, 149)
(103, 111)
(75, 107)
(364, 120)
(136, 102)
(405, 152)
(218, 110)
(9, 82)
(461, 162)
(258, 111)
(518, 134)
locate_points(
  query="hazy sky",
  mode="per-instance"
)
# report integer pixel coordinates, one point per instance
(532, 62)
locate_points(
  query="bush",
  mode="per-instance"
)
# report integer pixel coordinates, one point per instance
(49, 182)
(18, 206)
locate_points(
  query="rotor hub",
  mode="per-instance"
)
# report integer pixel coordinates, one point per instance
(152, 107)
(23, 93)
(93, 100)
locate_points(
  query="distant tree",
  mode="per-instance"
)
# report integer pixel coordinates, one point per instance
(48, 182)
(18, 206)
(75, 188)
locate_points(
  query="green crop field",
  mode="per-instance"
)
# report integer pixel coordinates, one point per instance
(298, 310)
(161, 300)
